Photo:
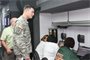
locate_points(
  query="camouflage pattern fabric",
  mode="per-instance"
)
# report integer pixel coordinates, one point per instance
(22, 38)
(18, 57)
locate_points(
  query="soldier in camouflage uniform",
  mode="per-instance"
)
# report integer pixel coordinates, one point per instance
(22, 38)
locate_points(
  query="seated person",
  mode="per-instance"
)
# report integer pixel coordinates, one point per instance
(50, 48)
(39, 48)
(65, 53)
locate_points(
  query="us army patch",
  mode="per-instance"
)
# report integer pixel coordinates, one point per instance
(18, 30)
(20, 27)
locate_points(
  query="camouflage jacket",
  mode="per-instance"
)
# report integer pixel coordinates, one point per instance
(22, 38)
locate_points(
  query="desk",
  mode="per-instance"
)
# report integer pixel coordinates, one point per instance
(82, 51)
(80, 57)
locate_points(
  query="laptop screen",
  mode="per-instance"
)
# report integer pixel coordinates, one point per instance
(83, 51)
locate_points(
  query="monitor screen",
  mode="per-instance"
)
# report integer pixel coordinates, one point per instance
(83, 51)
(61, 43)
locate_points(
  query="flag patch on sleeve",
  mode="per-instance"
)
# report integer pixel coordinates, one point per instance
(20, 27)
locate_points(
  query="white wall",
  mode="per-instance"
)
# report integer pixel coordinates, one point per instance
(74, 31)
(45, 24)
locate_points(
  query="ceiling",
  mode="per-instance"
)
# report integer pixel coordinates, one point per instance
(3, 3)
(68, 7)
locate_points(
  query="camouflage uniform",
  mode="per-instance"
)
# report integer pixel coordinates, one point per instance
(22, 38)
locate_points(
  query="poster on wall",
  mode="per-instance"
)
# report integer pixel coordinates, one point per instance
(53, 32)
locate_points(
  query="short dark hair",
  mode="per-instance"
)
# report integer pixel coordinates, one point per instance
(51, 38)
(27, 6)
(69, 42)
(44, 58)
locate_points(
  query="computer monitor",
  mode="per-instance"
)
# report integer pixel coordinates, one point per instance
(61, 43)
(83, 51)
(81, 38)
(63, 36)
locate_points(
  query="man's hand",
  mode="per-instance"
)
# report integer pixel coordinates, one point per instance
(27, 58)
(5, 46)
(9, 51)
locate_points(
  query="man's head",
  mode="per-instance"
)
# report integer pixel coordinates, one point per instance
(69, 42)
(12, 21)
(28, 12)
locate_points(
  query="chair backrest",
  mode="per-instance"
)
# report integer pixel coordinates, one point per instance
(44, 58)
(36, 56)
(86, 57)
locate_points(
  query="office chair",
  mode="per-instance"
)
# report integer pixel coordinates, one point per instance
(44, 58)
(36, 56)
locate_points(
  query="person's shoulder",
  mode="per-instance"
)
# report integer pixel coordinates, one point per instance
(6, 29)
(74, 56)
(20, 18)
(42, 42)
(61, 47)
(66, 49)
(20, 21)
